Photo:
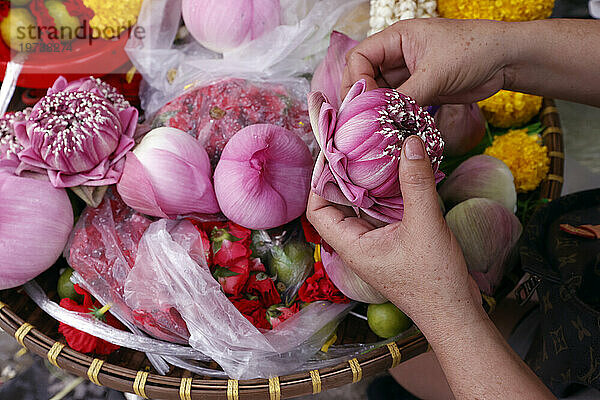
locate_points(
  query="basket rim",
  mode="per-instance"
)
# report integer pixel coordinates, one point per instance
(191, 386)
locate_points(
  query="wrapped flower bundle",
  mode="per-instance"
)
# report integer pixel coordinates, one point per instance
(214, 113)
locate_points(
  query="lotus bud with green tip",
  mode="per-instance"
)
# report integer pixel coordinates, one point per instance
(487, 232)
(480, 176)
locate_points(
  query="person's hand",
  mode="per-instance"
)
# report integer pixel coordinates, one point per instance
(416, 263)
(432, 60)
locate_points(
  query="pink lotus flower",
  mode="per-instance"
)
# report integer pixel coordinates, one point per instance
(361, 144)
(78, 137)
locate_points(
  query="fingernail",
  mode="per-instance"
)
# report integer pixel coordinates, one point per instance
(413, 148)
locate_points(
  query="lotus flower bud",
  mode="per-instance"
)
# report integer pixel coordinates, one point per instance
(263, 177)
(328, 75)
(462, 127)
(222, 25)
(487, 233)
(361, 144)
(167, 175)
(480, 176)
(77, 137)
(347, 281)
(34, 228)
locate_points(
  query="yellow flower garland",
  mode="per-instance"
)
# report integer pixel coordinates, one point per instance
(508, 109)
(500, 10)
(527, 159)
(111, 17)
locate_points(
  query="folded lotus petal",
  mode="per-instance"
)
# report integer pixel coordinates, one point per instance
(324, 183)
(62, 180)
(384, 214)
(357, 89)
(327, 122)
(136, 189)
(327, 77)
(315, 101)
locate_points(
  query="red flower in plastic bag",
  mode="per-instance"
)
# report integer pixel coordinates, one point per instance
(233, 279)
(253, 311)
(276, 314)
(230, 245)
(79, 340)
(318, 286)
(262, 286)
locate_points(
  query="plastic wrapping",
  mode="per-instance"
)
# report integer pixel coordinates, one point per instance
(217, 329)
(102, 249)
(216, 111)
(290, 50)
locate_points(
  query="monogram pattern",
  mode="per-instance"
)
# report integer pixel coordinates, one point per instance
(568, 350)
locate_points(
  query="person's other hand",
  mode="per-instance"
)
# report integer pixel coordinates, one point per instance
(434, 61)
(416, 263)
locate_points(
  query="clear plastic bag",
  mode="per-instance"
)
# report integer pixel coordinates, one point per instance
(102, 249)
(215, 111)
(292, 49)
(217, 329)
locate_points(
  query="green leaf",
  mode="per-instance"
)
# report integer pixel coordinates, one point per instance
(217, 236)
(222, 272)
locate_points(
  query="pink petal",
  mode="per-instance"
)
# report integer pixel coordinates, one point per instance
(327, 77)
(327, 122)
(315, 102)
(136, 190)
(357, 89)
(181, 188)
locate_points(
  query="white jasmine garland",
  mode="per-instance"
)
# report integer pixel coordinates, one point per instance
(387, 12)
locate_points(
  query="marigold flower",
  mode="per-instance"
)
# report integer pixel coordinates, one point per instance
(111, 17)
(526, 157)
(500, 10)
(508, 109)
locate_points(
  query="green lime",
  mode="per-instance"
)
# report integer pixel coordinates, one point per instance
(386, 320)
(65, 286)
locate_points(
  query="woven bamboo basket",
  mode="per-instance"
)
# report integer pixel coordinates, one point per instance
(130, 371)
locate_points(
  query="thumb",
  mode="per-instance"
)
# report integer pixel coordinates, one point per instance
(421, 206)
(420, 87)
